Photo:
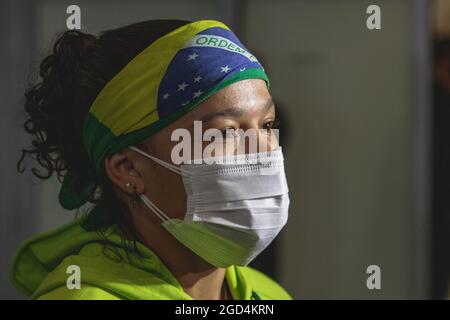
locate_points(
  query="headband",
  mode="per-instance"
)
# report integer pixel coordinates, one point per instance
(166, 80)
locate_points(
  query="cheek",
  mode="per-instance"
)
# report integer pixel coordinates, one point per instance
(174, 196)
(166, 189)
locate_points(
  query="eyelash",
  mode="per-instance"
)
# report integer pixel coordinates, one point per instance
(267, 126)
(227, 131)
(272, 124)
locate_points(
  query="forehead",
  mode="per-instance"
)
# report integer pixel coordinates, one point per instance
(250, 95)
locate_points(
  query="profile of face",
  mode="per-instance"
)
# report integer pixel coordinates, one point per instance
(244, 105)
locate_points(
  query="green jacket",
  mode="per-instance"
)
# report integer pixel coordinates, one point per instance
(40, 270)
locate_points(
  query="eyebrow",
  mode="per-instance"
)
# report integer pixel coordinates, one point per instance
(234, 111)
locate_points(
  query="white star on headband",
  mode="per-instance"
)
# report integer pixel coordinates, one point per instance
(197, 79)
(225, 69)
(198, 93)
(165, 96)
(182, 86)
(193, 56)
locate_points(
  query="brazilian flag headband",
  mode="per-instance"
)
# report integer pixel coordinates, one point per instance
(166, 80)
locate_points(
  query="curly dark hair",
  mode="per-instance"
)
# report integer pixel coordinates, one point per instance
(71, 77)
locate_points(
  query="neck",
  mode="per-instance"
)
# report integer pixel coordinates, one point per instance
(206, 285)
(199, 279)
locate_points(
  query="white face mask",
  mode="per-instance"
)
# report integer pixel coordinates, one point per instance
(235, 207)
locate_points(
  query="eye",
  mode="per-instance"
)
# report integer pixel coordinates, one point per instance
(271, 125)
(228, 133)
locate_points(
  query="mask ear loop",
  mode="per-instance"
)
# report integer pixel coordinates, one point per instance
(161, 215)
(166, 165)
(158, 212)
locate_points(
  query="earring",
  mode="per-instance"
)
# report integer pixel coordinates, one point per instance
(135, 199)
(128, 184)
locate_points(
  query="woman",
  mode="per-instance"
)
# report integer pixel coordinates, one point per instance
(103, 118)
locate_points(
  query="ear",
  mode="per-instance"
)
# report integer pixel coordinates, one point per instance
(121, 171)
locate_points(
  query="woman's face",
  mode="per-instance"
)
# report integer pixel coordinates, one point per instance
(244, 105)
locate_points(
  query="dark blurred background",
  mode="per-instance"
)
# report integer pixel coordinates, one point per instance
(365, 124)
